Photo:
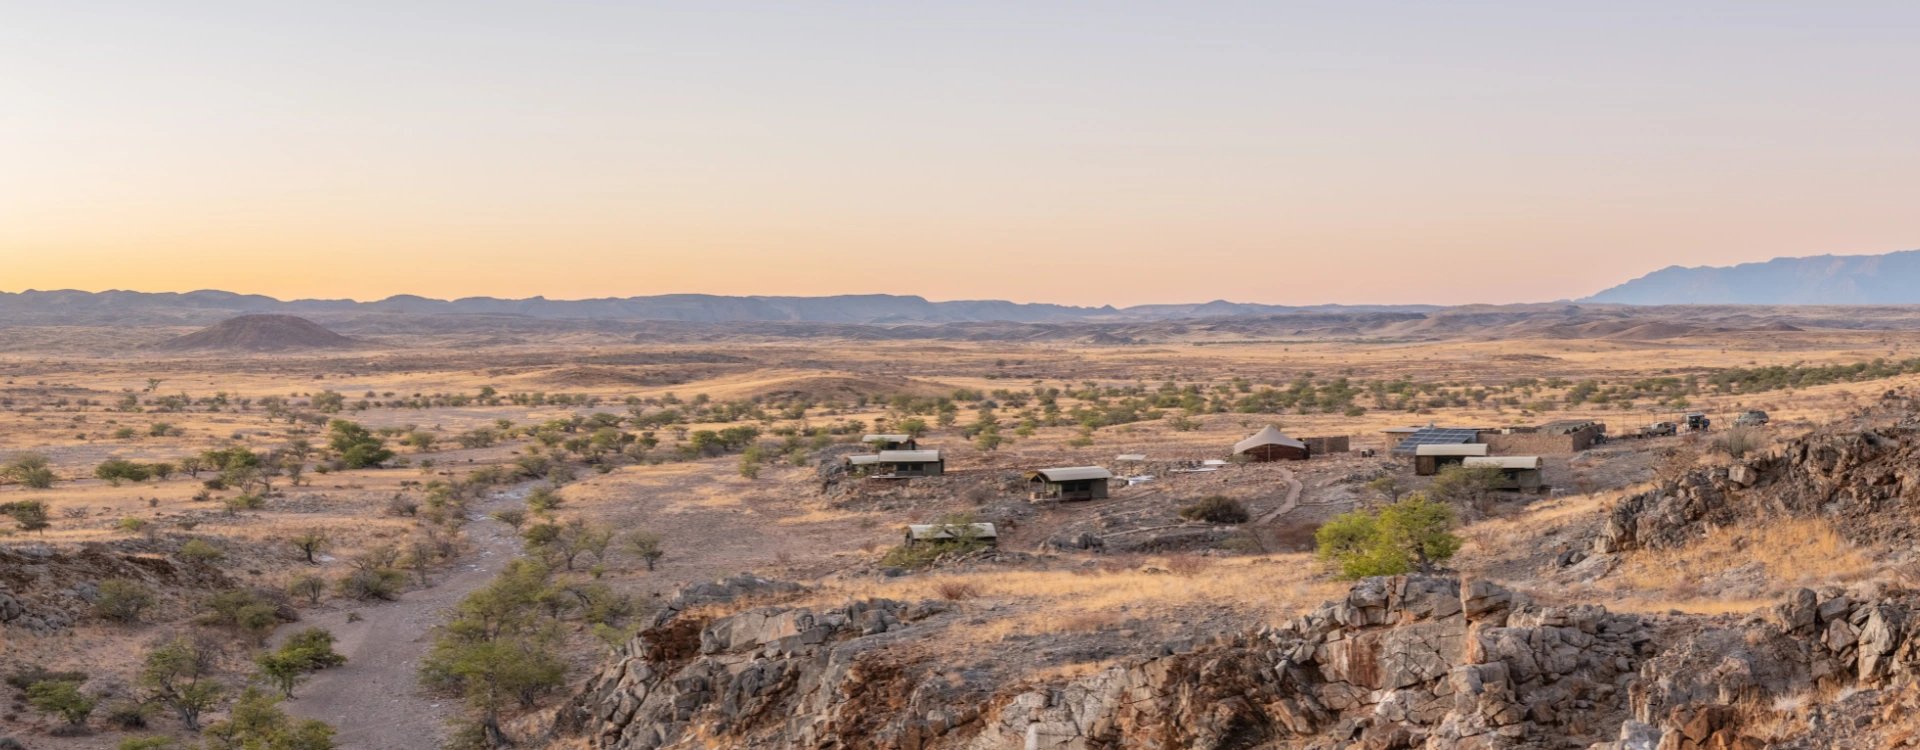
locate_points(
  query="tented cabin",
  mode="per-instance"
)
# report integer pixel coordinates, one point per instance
(1428, 460)
(1521, 473)
(1072, 483)
(891, 442)
(1270, 444)
(930, 533)
(898, 464)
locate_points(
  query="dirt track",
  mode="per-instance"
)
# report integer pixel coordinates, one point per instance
(375, 701)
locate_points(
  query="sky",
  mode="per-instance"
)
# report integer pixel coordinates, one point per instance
(1077, 152)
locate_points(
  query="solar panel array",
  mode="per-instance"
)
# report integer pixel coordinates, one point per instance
(1434, 436)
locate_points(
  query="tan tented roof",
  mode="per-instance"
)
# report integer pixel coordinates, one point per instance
(887, 438)
(864, 459)
(1072, 474)
(1269, 435)
(909, 457)
(1502, 462)
(1451, 449)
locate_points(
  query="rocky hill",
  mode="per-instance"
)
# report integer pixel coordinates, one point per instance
(259, 333)
(1890, 279)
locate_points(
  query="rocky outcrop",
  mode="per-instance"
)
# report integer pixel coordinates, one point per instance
(1864, 478)
(1403, 662)
(766, 678)
(44, 590)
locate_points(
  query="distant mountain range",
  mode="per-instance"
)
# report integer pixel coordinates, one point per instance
(1890, 279)
(70, 306)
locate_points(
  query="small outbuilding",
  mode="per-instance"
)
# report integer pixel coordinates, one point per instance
(891, 442)
(899, 464)
(1320, 446)
(1071, 483)
(932, 533)
(1521, 473)
(1270, 444)
(1428, 460)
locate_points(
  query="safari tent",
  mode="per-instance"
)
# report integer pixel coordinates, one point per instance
(927, 533)
(899, 464)
(1070, 483)
(1270, 444)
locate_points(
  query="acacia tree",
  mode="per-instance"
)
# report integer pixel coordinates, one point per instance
(1409, 535)
(29, 469)
(180, 676)
(310, 542)
(498, 649)
(647, 546)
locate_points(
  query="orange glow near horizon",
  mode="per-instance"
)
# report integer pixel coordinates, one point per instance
(1287, 155)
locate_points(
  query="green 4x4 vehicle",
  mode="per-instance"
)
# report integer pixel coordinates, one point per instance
(1751, 418)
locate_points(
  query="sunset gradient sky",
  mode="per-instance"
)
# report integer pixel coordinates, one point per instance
(1088, 153)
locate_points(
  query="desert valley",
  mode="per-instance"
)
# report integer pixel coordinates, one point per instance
(428, 530)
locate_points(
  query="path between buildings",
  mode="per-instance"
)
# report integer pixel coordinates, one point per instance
(1286, 506)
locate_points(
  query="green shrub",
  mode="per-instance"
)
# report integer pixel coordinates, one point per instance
(257, 721)
(29, 469)
(63, 698)
(122, 600)
(31, 515)
(245, 502)
(127, 714)
(1216, 509)
(305, 652)
(118, 470)
(26, 678)
(372, 583)
(199, 551)
(309, 586)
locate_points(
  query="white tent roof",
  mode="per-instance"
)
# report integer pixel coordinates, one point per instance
(886, 438)
(1073, 473)
(909, 457)
(1451, 449)
(1269, 435)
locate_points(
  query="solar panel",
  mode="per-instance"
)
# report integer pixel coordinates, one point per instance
(1434, 436)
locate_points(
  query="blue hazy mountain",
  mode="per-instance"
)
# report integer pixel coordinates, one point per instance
(1889, 279)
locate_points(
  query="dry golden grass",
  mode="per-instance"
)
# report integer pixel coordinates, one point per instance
(1275, 588)
(1780, 555)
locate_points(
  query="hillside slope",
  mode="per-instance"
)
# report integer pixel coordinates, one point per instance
(259, 333)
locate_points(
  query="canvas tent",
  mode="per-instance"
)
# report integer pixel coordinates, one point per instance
(1070, 483)
(899, 464)
(1270, 444)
